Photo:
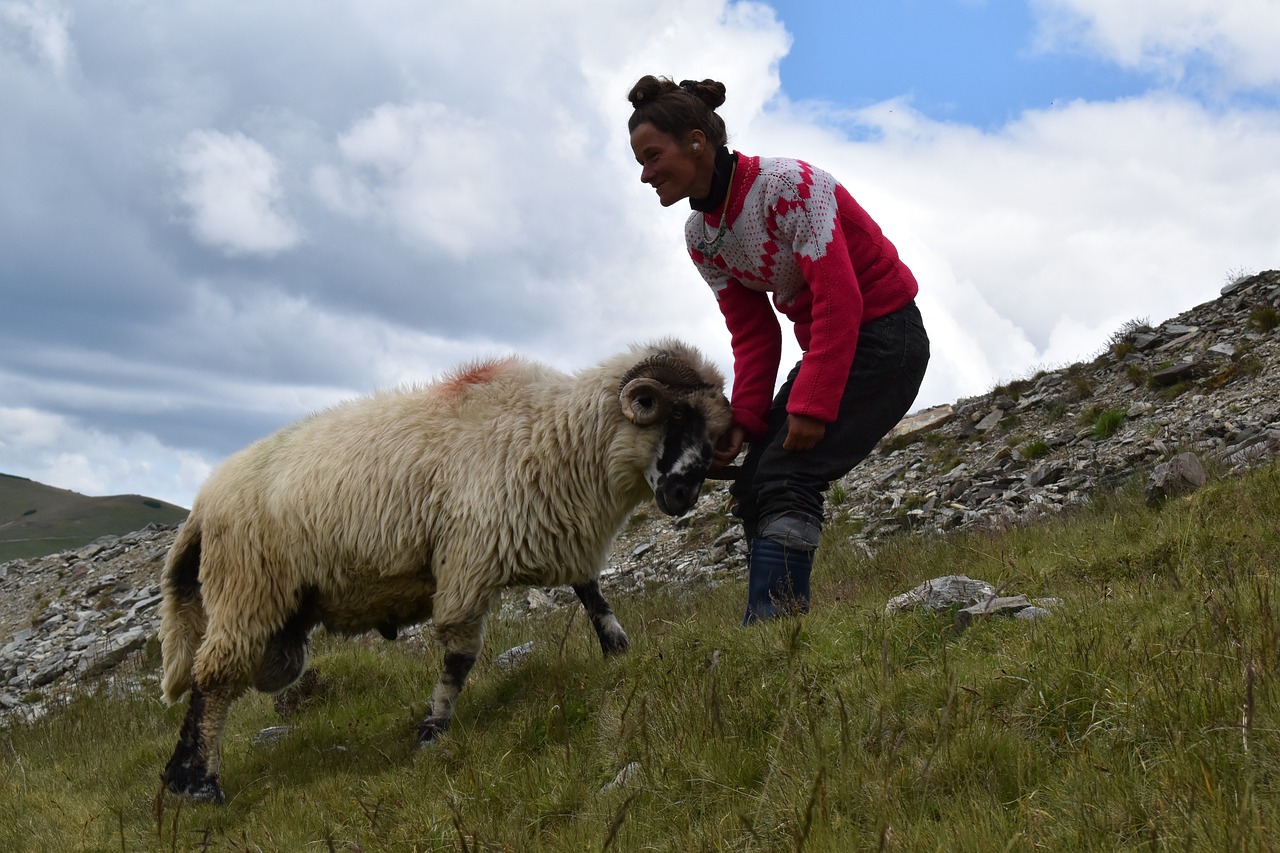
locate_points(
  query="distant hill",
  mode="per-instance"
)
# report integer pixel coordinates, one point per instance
(36, 519)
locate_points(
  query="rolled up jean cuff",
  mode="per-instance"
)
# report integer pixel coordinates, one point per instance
(796, 530)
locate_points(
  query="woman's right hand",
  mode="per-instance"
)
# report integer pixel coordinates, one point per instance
(728, 446)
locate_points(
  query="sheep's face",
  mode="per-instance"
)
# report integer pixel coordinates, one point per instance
(683, 454)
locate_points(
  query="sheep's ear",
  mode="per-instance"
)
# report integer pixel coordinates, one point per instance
(645, 402)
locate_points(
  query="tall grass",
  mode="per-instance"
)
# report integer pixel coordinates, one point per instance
(1141, 716)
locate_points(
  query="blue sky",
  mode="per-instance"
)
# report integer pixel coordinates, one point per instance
(218, 218)
(974, 63)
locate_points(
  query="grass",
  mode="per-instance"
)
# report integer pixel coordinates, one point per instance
(1142, 716)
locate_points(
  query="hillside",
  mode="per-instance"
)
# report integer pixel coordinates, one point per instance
(1203, 382)
(36, 519)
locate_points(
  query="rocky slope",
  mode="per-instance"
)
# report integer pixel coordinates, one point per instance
(1204, 381)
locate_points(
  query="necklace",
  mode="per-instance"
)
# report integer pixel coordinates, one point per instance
(710, 246)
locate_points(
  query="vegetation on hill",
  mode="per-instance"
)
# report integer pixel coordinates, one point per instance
(36, 519)
(1142, 715)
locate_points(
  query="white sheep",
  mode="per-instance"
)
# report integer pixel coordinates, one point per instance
(422, 504)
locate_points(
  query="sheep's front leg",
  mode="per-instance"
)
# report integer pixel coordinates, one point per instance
(462, 644)
(613, 639)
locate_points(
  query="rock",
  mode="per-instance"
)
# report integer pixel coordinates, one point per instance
(514, 657)
(626, 776)
(921, 422)
(271, 734)
(989, 608)
(1182, 474)
(940, 594)
(110, 650)
(991, 421)
(1180, 372)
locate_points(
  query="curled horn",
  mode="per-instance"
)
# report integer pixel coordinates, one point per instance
(645, 401)
(671, 371)
(648, 390)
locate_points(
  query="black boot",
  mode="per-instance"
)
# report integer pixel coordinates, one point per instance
(777, 581)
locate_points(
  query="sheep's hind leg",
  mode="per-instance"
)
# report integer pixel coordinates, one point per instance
(613, 639)
(192, 771)
(462, 645)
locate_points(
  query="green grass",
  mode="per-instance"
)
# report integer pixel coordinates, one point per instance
(1108, 423)
(1142, 716)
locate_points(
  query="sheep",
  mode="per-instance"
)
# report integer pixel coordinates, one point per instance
(416, 504)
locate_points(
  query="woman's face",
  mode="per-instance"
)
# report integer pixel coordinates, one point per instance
(673, 168)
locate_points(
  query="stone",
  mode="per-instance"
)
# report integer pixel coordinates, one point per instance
(1180, 372)
(991, 421)
(921, 422)
(271, 734)
(1182, 474)
(514, 657)
(989, 608)
(940, 593)
(627, 775)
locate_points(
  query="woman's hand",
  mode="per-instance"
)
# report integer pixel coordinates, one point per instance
(728, 446)
(803, 432)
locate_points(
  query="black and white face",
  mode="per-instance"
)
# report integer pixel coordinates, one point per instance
(681, 459)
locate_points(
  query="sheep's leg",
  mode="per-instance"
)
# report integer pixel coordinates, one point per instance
(613, 639)
(462, 644)
(219, 678)
(192, 771)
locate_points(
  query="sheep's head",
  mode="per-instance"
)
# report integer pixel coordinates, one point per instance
(666, 391)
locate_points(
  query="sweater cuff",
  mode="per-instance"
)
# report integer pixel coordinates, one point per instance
(753, 427)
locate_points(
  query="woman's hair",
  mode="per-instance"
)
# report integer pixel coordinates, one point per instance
(676, 109)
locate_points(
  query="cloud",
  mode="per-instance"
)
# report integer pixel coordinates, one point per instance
(231, 188)
(1168, 36)
(368, 193)
(40, 31)
(63, 452)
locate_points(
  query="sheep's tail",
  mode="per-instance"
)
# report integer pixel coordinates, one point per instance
(182, 616)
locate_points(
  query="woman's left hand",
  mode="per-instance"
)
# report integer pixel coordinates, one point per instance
(803, 432)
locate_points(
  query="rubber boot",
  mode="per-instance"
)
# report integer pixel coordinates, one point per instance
(777, 581)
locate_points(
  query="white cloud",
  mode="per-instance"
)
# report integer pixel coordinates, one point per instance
(1034, 242)
(1239, 36)
(41, 30)
(231, 188)
(466, 188)
(63, 452)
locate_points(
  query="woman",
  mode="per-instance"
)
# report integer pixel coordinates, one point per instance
(775, 233)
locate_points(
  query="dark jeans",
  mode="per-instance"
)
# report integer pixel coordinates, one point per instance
(779, 493)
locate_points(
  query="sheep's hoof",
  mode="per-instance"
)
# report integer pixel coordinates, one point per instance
(206, 790)
(431, 729)
(614, 644)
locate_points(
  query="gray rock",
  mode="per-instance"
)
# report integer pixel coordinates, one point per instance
(271, 734)
(1182, 474)
(940, 594)
(514, 657)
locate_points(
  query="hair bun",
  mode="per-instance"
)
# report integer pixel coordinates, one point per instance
(647, 89)
(710, 92)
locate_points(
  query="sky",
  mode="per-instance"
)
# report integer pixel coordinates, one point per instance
(218, 217)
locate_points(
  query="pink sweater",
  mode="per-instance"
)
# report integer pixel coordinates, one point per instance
(795, 235)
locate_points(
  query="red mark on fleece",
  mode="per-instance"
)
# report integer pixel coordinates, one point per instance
(456, 383)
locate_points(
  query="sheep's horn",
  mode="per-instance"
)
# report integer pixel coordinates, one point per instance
(645, 401)
(671, 371)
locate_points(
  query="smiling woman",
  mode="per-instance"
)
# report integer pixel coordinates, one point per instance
(775, 233)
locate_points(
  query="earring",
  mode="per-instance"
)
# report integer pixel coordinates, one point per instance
(696, 146)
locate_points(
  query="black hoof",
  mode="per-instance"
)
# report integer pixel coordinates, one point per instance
(205, 790)
(615, 645)
(430, 730)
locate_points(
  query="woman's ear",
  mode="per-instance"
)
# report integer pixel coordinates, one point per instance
(697, 140)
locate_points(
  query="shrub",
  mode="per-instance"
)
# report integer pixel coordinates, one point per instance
(1263, 319)
(1033, 449)
(1108, 423)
